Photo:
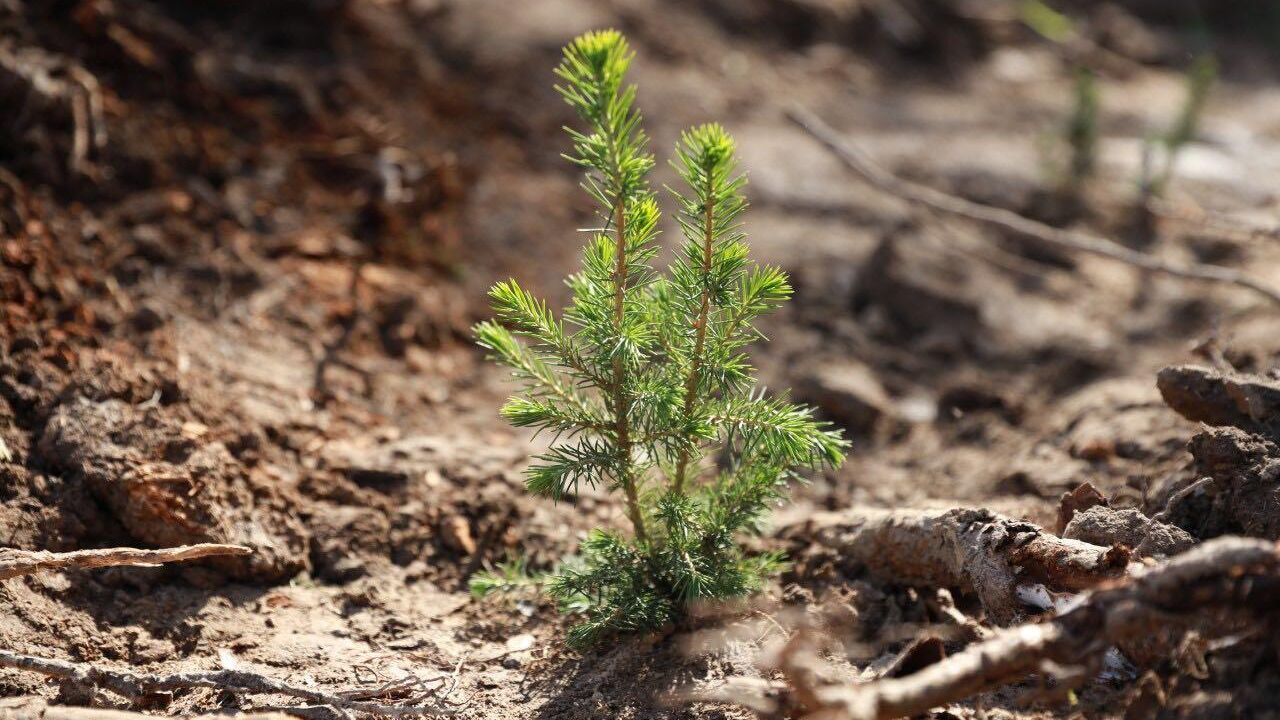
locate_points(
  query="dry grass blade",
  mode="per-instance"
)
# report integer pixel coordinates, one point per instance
(860, 163)
(24, 562)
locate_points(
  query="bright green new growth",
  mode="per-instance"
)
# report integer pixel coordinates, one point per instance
(646, 376)
(1045, 21)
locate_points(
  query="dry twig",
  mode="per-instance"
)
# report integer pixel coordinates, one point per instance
(58, 81)
(15, 562)
(1221, 581)
(37, 708)
(133, 685)
(860, 163)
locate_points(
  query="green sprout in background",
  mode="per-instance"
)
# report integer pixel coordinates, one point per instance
(1199, 81)
(645, 377)
(1082, 130)
(1045, 21)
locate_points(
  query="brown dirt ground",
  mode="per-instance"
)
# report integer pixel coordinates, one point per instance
(184, 355)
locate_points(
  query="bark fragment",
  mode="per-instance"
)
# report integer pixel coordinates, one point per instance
(974, 550)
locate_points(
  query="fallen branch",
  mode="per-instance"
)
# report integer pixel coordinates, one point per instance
(135, 686)
(15, 562)
(37, 708)
(860, 163)
(1225, 579)
(974, 550)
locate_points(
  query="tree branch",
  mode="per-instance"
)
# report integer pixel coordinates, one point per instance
(37, 708)
(133, 685)
(861, 164)
(15, 562)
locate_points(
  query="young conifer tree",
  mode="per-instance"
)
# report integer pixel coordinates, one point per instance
(645, 382)
(1199, 82)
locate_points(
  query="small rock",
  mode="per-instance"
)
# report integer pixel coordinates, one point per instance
(518, 643)
(227, 659)
(511, 663)
(193, 430)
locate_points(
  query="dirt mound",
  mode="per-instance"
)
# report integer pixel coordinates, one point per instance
(166, 488)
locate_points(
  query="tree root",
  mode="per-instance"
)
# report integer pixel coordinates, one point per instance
(975, 551)
(1213, 587)
(24, 562)
(861, 164)
(132, 685)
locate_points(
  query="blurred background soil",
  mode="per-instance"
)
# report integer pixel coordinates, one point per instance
(241, 245)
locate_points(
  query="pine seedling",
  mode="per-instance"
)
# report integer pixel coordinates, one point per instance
(1082, 130)
(644, 383)
(1199, 81)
